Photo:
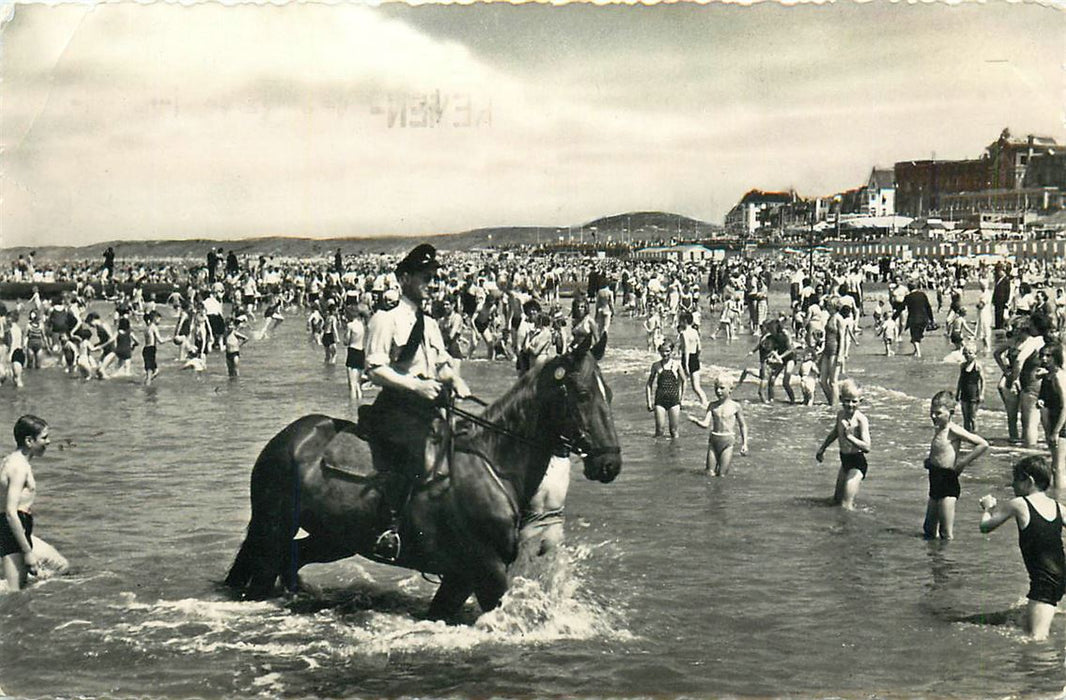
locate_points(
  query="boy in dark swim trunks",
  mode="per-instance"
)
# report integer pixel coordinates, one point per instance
(945, 463)
(1040, 522)
(18, 490)
(852, 429)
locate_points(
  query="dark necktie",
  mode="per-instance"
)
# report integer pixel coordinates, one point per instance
(407, 352)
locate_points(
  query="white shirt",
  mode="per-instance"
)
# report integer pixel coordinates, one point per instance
(387, 334)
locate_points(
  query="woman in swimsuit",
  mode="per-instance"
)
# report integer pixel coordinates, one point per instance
(829, 362)
(1026, 373)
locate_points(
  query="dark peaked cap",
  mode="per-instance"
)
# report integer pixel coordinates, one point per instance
(422, 257)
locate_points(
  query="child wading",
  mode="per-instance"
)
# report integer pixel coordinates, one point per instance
(663, 391)
(852, 429)
(1040, 523)
(945, 463)
(724, 417)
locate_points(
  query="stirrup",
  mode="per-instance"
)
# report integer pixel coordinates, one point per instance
(387, 546)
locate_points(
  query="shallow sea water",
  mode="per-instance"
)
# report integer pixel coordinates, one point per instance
(670, 582)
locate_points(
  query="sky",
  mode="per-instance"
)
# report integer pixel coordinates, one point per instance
(130, 121)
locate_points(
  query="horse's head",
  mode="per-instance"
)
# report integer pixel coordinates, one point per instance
(582, 413)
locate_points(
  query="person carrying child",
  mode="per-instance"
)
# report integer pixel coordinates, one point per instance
(852, 430)
(1040, 522)
(945, 462)
(666, 384)
(724, 417)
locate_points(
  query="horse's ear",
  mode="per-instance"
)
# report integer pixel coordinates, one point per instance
(581, 348)
(599, 348)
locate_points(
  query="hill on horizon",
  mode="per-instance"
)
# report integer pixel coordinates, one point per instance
(618, 227)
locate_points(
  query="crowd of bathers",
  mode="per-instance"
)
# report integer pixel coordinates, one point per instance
(509, 306)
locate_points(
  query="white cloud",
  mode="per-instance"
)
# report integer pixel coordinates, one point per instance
(158, 120)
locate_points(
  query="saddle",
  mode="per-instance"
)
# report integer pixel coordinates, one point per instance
(357, 452)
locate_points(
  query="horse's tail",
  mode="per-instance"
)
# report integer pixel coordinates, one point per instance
(267, 550)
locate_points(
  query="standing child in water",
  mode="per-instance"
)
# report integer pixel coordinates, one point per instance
(970, 389)
(724, 417)
(808, 373)
(852, 430)
(1040, 523)
(152, 339)
(233, 342)
(666, 384)
(945, 463)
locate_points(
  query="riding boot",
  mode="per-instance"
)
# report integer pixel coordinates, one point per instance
(396, 493)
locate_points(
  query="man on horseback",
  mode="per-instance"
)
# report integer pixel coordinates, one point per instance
(406, 357)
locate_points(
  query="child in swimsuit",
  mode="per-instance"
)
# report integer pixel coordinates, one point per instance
(724, 417)
(1040, 523)
(1053, 405)
(945, 462)
(234, 339)
(852, 429)
(970, 389)
(808, 374)
(666, 384)
(152, 338)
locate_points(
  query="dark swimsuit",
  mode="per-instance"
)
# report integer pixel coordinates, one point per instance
(148, 354)
(8, 543)
(1028, 377)
(668, 389)
(943, 483)
(1052, 401)
(853, 460)
(969, 384)
(1041, 545)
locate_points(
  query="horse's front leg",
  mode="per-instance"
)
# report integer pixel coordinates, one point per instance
(452, 593)
(490, 584)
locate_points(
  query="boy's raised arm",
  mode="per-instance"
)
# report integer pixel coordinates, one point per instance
(980, 445)
(995, 515)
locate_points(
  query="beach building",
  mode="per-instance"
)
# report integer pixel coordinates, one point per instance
(680, 253)
(1015, 177)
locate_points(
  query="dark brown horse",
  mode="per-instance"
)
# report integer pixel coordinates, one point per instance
(462, 521)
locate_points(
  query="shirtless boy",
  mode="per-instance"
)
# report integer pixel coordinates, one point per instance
(18, 488)
(852, 430)
(945, 463)
(724, 417)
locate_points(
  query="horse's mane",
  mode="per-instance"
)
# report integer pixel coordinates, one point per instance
(517, 407)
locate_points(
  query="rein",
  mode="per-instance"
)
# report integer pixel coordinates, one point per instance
(570, 444)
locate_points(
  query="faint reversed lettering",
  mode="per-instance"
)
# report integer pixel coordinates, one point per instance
(434, 110)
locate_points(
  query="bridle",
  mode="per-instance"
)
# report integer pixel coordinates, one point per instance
(578, 443)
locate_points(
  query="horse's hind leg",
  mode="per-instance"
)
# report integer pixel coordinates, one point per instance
(240, 573)
(452, 593)
(311, 550)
